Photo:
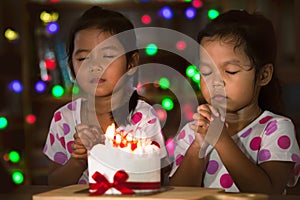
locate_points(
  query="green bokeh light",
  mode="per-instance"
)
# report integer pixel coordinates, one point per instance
(191, 71)
(167, 103)
(3, 122)
(75, 89)
(151, 49)
(212, 14)
(14, 156)
(58, 91)
(17, 177)
(164, 83)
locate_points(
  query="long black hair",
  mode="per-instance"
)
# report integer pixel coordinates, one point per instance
(112, 22)
(256, 35)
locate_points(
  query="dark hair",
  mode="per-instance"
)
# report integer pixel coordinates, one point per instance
(108, 21)
(112, 22)
(256, 35)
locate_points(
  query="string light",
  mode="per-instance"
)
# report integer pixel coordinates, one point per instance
(30, 119)
(17, 177)
(14, 156)
(11, 35)
(40, 86)
(58, 91)
(16, 86)
(151, 49)
(166, 12)
(167, 103)
(3, 123)
(146, 19)
(164, 83)
(52, 27)
(212, 14)
(190, 13)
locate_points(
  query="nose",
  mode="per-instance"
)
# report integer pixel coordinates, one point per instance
(95, 68)
(218, 81)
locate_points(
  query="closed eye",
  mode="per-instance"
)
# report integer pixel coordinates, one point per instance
(231, 72)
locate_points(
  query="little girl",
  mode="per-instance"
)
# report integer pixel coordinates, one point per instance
(99, 61)
(236, 141)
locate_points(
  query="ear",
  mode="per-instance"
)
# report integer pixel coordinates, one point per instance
(133, 63)
(265, 74)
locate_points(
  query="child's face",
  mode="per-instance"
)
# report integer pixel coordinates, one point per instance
(227, 76)
(98, 66)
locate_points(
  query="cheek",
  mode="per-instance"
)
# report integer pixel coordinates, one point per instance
(204, 90)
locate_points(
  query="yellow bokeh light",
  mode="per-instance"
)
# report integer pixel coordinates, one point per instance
(47, 17)
(11, 34)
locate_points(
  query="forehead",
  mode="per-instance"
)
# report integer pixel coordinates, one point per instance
(222, 46)
(93, 37)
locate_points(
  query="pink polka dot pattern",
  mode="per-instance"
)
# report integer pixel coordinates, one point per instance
(69, 146)
(191, 139)
(60, 157)
(226, 181)
(246, 133)
(271, 127)
(45, 148)
(136, 118)
(295, 158)
(57, 116)
(264, 155)
(265, 119)
(66, 128)
(62, 141)
(152, 121)
(212, 167)
(284, 142)
(181, 135)
(72, 106)
(255, 143)
(179, 159)
(52, 139)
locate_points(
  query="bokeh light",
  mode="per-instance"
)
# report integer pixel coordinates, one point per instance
(190, 13)
(50, 63)
(181, 45)
(166, 12)
(52, 27)
(30, 119)
(58, 91)
(11, 35)
(197, 3)
(3, 123)
(170, 145)
(162, 114)
(151, 49)
(40, 86)
(16, 86)
(146, 19)
(164, 83)
(167, 103)
(17, 177)
(212, 14)
(190, 71)
(14, 156)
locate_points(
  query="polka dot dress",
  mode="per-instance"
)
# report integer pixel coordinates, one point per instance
(62, 129)
(269, 138)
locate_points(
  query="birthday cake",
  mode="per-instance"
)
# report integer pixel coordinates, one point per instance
(125, 164)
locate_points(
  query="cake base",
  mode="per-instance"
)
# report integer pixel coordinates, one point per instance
(113, 171)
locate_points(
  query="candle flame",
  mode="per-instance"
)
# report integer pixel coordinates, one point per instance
(110, 131)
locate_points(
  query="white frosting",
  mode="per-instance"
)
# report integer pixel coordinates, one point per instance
(142, 165)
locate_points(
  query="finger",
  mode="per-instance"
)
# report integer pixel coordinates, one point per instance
(80, 127)
(214, 111)
(205, 112)
(79, 156)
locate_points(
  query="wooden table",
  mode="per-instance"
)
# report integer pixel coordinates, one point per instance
(80, 192)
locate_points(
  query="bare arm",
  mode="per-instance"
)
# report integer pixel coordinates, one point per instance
(67, 174)
(190, 171)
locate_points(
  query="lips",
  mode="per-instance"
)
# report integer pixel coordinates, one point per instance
(97, 81)
(219, 97)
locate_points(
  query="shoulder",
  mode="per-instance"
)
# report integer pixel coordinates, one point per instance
(70, 110)
(269, 119)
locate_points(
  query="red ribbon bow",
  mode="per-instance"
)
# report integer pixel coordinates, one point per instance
(102, 184)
